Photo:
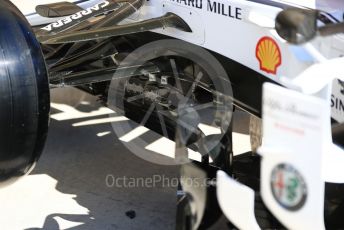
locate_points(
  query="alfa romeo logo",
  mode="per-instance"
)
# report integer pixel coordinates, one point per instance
(288, 187)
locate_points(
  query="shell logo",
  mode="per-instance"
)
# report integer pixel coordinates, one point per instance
(269, 55)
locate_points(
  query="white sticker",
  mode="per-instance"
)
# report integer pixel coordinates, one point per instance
(337, 101)
(75, 16)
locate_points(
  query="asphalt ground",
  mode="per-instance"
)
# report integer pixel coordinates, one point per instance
(82, 179)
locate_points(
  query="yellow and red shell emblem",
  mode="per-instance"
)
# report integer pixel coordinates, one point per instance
(269, 55)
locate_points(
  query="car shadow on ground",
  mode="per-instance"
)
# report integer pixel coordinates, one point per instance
(87, 165)
(86, 159)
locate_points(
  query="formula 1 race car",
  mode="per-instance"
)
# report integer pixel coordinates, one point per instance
(181, 68)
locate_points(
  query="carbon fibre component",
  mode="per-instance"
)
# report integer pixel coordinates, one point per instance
(332, 29)
(98, 51)
(104, 74)
(100, 21)
(168, 20)
(80, 48)
(338, 134)
(73, 20)
(125, 9)
(59, 9)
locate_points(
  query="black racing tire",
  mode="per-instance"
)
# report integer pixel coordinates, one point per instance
(24, 95)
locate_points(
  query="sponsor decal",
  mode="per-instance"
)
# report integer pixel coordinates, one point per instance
(288, 187)
(337, 100)
(269, 55)
(75, 16)
(224, 10)
(214, 7)
(192, 3)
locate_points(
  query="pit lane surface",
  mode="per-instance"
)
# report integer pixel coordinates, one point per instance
(73, 186)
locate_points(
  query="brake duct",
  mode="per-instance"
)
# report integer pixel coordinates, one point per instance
(78, 27)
